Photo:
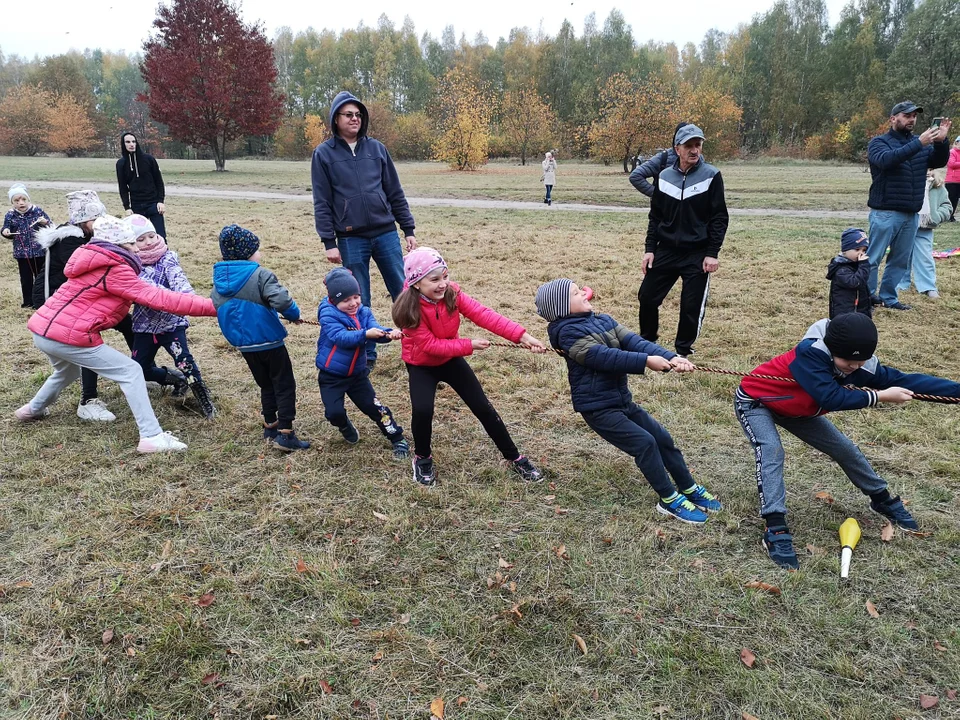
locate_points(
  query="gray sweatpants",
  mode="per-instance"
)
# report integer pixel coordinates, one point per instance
(760, 426)
(105, 361)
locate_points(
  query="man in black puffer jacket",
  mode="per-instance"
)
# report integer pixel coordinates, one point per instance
(898, 163)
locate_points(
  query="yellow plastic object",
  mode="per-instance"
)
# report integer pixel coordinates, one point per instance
(849, 537)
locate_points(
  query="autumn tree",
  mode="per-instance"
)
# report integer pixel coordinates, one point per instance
(315, 129)
(210, 77)
(24, 116)
(527, 122)
(70, 129)
(463, 121)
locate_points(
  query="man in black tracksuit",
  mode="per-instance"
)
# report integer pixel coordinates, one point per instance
(140, 183)
(688, 221)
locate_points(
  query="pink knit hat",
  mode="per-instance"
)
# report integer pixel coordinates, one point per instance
(420, 263)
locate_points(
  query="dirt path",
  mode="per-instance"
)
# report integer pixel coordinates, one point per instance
(235, 194)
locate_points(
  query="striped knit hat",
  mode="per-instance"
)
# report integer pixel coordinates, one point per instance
(553, 299)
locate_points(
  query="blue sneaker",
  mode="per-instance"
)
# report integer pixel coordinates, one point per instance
(423, 470)
(703, 499)
(401, 449)
(894, 511)
(683, 510)
(288, 442)
(270, 432)
(778, 542)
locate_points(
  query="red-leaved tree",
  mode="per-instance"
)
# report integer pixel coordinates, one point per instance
(210, 77)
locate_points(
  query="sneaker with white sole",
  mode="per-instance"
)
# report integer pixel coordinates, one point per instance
(25, 414)
(95, 410)
(164, 442)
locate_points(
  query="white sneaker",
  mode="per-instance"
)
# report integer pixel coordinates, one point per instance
(95, 410)
(25, 414)
(164, 442)
(932, 294)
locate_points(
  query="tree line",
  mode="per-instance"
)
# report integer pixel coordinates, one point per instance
(785, 83)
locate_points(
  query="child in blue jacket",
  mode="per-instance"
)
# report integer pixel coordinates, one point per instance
(345, 327)
(247, 298)
(600, 352)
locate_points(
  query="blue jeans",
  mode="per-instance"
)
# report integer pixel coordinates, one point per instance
(355, 254)
(896, 231)
(760, 426)
(924, 269)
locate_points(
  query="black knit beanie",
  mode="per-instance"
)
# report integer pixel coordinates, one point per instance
(851, 336)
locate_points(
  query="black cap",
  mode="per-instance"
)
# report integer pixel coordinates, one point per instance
(851, 336)
(907, 106)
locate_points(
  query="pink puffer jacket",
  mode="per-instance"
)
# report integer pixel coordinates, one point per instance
(953, 166)
(100, 288)
(435, 339)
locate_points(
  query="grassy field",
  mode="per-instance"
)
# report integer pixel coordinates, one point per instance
(236, 582)
(805, 186)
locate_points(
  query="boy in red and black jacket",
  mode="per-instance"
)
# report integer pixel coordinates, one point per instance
(833, 355)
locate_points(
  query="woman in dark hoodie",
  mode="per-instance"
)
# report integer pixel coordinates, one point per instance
(140, 182)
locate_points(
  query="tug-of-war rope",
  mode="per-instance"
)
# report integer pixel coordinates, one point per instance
(716, 371)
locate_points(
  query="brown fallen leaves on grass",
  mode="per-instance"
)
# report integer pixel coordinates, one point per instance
(760, 585)
(205, 600)
(436, 709)
(824, 496)
(581, 643)
(886, 534)
(747, 716)
(872, 610)
(929, 701)
(107, 636)
(747, 657)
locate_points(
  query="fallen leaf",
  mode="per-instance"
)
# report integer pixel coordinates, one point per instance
(107, 636)
(512, 586)
(461, 701)
(825, 496)
(549, 498)
(561, 552)
(380, 516)
(951, 694)
(910, 625)
(929, 701)
(377, 657)
(205, 600)
(937, 645)
(747, 657)
(814, 550)
(436, 708)
(766, 587)
(504, 564)
(301, 566)
(355, 621)
(325, 686)
(165, 550)
(131, 651)
(747, 716)
(660, 534)
(24, 584)
(210, 678)
(560, 511)
(872, 610)
(607, 540)
(886, 534)
(552, 485)
(404, 619)
(595, 694)
(233, 651)
(580, 643)
(305, 642)
(515, 610)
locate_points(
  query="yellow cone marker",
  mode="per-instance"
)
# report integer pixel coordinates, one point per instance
(849, 537)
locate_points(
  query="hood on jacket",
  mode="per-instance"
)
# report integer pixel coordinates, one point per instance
(47, 237)
(835, 264)
(229, 276)
(94, 256)
(132, 158)
(339, 101)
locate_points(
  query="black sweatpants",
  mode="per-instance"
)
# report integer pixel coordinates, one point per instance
(669, 265)
(30, 269)
(458, 374)
(273, 373)
(334, 389)
(953, 192)
(88, 378)
(633, 430)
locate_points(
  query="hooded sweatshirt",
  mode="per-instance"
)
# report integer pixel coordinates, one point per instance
(138, 177)
(247, 298)
(356, 191)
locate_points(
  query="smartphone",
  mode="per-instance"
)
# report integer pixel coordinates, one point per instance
(936, 122)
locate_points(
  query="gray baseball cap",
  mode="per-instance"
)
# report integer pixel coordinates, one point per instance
(687, 133)
(907, 106)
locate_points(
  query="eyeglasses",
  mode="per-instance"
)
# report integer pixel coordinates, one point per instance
(350, 115)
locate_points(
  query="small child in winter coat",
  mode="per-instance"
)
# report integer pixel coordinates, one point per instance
(247, 298)
(600, 352)
(19, 226)
(817, 378)
(345, 327)
(849, 273)
(103, 281)
(429, 310)
(155, 329)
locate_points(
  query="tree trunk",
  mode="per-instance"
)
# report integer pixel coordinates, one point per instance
(626, 159)
(219, 149)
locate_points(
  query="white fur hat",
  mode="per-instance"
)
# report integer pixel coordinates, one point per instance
(84, 205)
(113, 230)
(17, 189)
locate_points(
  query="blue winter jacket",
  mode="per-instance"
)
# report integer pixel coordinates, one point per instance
(247, 298)
(600, 352)
(341, 347)
(898, 165)
(356, 193)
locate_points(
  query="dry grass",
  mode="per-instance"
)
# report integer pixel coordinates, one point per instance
(393, 613)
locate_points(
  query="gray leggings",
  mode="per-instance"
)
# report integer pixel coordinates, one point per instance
(104, 360)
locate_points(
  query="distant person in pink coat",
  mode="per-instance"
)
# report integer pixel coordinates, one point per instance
(953, 178)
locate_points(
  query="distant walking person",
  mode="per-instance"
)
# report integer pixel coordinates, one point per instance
(899, 161)
(549, 177)
(953, 178)
(688, 222)
(140, 183)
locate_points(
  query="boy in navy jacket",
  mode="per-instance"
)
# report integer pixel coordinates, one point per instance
(247, 298)
(345, 327)
(600, 352)
(849, 275)
(807, 382)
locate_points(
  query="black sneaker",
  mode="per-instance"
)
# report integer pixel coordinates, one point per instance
(179, 382)
(778, 542)
(897, 306)
(894, 511)
(289, 442)
(270, 433)
(423, 471)
(875, 300)
(401, 450)
(350, 433)
(527, 470)
(202, 394)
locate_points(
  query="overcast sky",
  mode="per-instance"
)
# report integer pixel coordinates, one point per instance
(51, 27)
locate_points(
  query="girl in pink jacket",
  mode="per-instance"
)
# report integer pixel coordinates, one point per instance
(428, 311)
(102, 283)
